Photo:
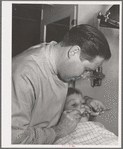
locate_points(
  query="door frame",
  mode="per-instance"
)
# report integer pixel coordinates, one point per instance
(70, 12)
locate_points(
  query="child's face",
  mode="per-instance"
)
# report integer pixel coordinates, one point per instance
(75, 102)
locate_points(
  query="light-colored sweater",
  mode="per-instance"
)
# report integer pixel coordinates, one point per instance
(38, 95)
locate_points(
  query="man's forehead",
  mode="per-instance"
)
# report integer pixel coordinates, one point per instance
(95, 63)
(98, 60)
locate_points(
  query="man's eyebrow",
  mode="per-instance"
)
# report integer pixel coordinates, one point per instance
(89, 69)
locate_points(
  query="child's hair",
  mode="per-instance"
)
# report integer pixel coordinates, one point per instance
(73, 91)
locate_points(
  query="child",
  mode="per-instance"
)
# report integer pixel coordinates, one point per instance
(86, 132)
(76, 101)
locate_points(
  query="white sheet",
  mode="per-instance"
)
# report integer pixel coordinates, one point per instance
(89, 133)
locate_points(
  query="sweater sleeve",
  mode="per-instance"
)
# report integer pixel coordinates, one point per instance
(23, 100)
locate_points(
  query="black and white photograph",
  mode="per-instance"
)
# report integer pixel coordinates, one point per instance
(61, 74)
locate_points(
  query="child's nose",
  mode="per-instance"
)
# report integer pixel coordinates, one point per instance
(82, 109)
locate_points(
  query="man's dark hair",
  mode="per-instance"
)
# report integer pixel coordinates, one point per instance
(73, 91)
(91, 41)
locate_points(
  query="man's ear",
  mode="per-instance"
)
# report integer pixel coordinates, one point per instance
(74, 51)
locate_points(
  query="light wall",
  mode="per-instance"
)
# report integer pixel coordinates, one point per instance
(108, 92)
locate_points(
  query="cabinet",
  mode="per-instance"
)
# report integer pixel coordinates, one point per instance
(56, 21)
(35, 23)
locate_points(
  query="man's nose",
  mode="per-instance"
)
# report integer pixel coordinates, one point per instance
(86, 74)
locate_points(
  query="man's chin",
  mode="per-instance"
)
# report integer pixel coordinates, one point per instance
(65, 80)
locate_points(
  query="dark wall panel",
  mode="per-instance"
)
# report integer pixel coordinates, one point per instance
(25, 28)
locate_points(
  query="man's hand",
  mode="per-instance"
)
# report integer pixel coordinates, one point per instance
(67, 123)
(96, 106)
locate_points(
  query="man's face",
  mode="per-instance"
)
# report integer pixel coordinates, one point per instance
(75, 68)
(76, 102)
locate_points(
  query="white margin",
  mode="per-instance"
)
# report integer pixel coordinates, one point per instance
(6, 71)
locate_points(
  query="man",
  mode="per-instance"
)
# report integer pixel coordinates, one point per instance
(40, 77)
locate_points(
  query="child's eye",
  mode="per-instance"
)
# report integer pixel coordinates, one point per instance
(74, 105)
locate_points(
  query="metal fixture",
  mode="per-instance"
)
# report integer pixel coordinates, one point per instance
(96, 77)
(111, 18)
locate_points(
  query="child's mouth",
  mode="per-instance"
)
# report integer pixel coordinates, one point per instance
(85, 114)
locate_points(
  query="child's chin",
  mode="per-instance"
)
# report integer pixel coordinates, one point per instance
(84, 119)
